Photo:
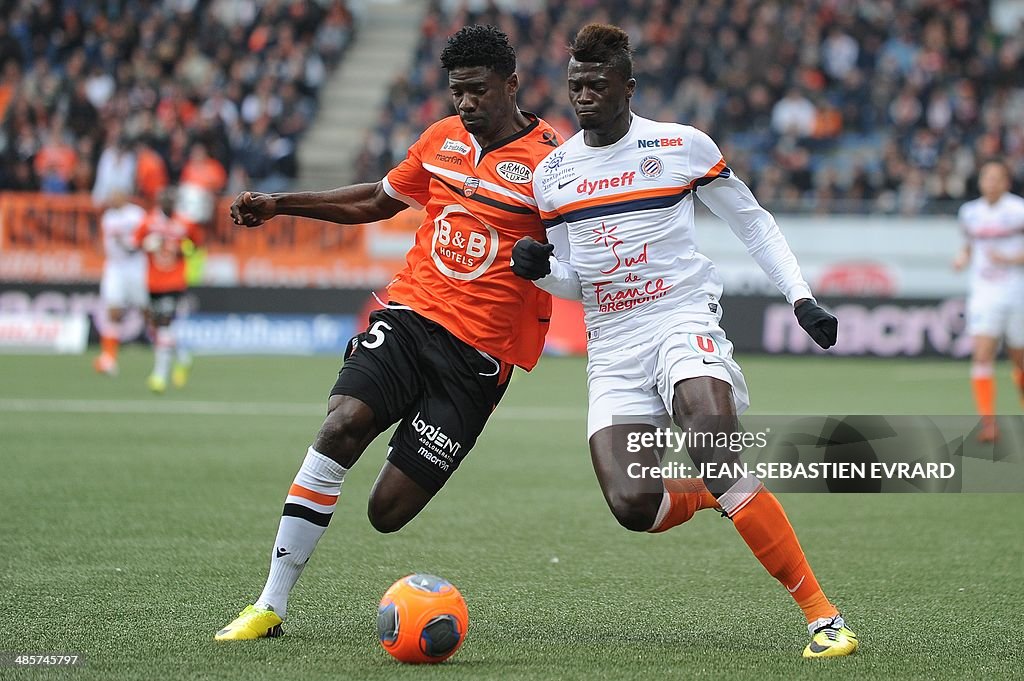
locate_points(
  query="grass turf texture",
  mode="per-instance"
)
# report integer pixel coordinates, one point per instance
(131, 535)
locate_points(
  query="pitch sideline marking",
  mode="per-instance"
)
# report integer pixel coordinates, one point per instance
(207, 408)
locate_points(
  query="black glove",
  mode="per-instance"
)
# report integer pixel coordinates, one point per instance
(530, 259)
(819, 324)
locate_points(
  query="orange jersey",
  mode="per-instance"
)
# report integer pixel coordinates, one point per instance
(162, 238)
(478, 202)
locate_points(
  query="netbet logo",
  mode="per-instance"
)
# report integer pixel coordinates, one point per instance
(588, 187)
(658, 143)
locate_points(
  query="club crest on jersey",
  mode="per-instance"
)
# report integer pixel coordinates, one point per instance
(651, 166)
(470, 186)
(554, 160)
(515, 172)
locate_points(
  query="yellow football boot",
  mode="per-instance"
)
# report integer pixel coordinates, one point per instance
(252, 623)
(157, 384)
(830, 638)
(179, 374)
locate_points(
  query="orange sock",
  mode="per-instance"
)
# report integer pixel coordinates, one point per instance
(984, 387)
(765, 528)
(683, 497)
(110, 345)
(1018, 378)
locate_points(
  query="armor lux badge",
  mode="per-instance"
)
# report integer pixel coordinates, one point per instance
(470, 186)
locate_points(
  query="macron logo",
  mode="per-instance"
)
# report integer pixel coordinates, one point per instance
(455, 145)
(588, 187)
(658, 143)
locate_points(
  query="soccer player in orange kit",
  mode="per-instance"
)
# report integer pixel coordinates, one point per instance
(165, 237)
(437, 359)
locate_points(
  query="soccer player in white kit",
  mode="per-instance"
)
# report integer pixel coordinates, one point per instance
(617, 199)
(123, 285)
(993, 227)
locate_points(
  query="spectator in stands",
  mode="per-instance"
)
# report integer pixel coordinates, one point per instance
(55, 161)
(843, 80)
(173, 73)
(150, 171)
(794, 115)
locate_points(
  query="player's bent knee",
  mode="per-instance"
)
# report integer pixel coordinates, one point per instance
(635, 511)
(350, 426)
(386, 515)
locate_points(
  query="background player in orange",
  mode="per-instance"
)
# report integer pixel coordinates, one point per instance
(652, 306)
(438, 358)
(165, 237)
(993, 227)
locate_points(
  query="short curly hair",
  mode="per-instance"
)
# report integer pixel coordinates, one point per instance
(480, 46)
(604, 44)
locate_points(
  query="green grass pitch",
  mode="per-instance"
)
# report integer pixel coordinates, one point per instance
(133, 526)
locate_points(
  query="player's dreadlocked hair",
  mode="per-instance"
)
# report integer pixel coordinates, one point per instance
(480, 46)
(604, 44)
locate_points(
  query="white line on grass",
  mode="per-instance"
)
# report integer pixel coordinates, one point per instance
(159, 406)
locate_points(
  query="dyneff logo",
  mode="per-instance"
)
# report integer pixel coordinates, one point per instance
(663, 142)
(435, 435)
(588, 187)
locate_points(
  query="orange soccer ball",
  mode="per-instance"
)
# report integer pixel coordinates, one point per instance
(422, 619)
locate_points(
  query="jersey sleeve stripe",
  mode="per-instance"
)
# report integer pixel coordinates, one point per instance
(395, 194)
(621, 196)
(552, 221)
(493, 203)
(627, 206)
(720, 169)
(490, 186)
(644, 199)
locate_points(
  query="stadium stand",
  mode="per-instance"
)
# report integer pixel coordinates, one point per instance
(89, 88)
(823, 106)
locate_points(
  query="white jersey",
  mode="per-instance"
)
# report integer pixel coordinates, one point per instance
(624, 213)
(119, 225)
(995, 228)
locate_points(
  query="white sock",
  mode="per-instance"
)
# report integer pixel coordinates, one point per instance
(164, 348)
(182, 355)
(739, 495)
(307, 511)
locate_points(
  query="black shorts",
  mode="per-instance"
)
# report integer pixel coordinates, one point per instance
(163, 307)
(410, 369)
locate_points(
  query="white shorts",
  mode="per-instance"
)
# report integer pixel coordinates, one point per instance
(996, 314)
(635, 383)
(124, 285)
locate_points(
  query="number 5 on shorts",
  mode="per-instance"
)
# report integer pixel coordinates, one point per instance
(377, 335)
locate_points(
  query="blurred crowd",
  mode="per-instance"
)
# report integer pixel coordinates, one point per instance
(130, 95)
(820, 105)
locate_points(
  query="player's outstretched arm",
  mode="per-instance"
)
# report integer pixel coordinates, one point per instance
(731, 200)
(351, 205)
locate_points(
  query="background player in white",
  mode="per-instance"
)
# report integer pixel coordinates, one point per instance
(617, 199)
(123, 285)
(993, 228)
